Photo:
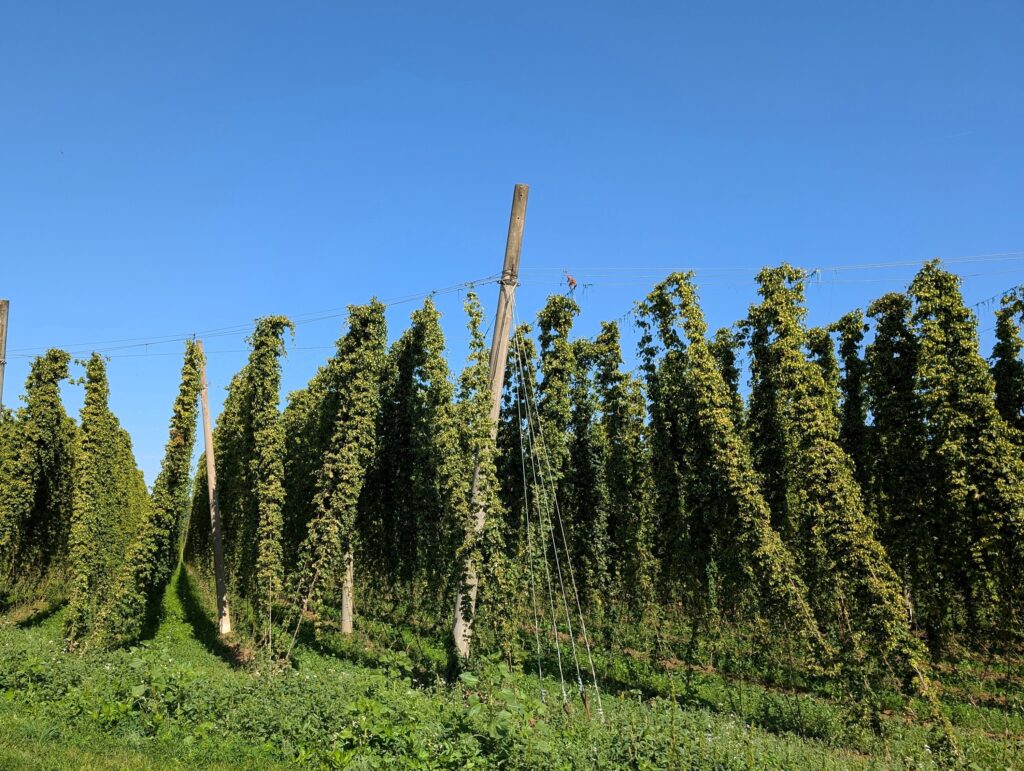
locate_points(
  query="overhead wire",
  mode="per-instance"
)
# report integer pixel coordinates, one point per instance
(309, 317)
(659, 271)
(831, 281)
(620, 276)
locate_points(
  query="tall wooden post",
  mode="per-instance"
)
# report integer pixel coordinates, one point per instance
(5, 307)
(465, 603)
(223, 616)
(347, 592)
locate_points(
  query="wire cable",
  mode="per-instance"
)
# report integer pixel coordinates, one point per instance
(541, 501)
(520, 397)
(583, 628)
(310, 317)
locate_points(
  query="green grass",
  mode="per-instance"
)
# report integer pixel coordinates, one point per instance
(182, 700)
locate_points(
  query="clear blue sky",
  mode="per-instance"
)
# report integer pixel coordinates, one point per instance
(178, 167)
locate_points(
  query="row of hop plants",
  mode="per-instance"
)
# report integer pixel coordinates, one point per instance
(885, 478)
(863, 499)
(358, 493)
(77, 523)
(861, 504)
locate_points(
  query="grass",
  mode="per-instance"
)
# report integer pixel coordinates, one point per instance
(185, 699)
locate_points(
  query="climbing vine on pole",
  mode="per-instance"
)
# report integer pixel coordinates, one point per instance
(38, 454)
(672, 324)
(417, 474)
(353, 377)
(856, 594)
(110, 505)
(627, 473)
(249, 439)
(893, 493)
(974, 469)
(1007, 367)
(586, 504)
(155, 549)
(484, 577)
(853, 429)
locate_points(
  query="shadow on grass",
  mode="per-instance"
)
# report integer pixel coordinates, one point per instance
(365, 651)
(203, 627)
(38, 616)
(153, 618)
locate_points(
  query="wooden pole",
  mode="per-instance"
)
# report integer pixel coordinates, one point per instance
(465, 603)
(347, 593)
(5, 307)
(223, 616)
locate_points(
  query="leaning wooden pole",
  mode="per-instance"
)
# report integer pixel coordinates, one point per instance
(5, 307)
(223, 616)
(465, 603)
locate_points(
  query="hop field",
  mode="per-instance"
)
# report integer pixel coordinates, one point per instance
(648, 568)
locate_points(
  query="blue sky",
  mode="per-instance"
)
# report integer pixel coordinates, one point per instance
(181, 167)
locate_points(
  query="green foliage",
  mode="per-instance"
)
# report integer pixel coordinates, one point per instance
(110, 506)
(822, 352)
(627, 473)
(729, 556)
(38, 449)
(662, 365)
(156, 547)
(250, 445)
(972, 472)
(514, 466)
(481, 552)
(586, 505)
(352, 384)
(419, 473)
(896, 450)
(174, 701)
(623, 540)
(557, 366)
(308, 423)
(807, 540)
(723, 347)
(267, 462)
(853, 430)
(735, 524)
(197, 549)
(513, 443)
(1007, 367)
(628, 479)
(856, 594)
(775, 332)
